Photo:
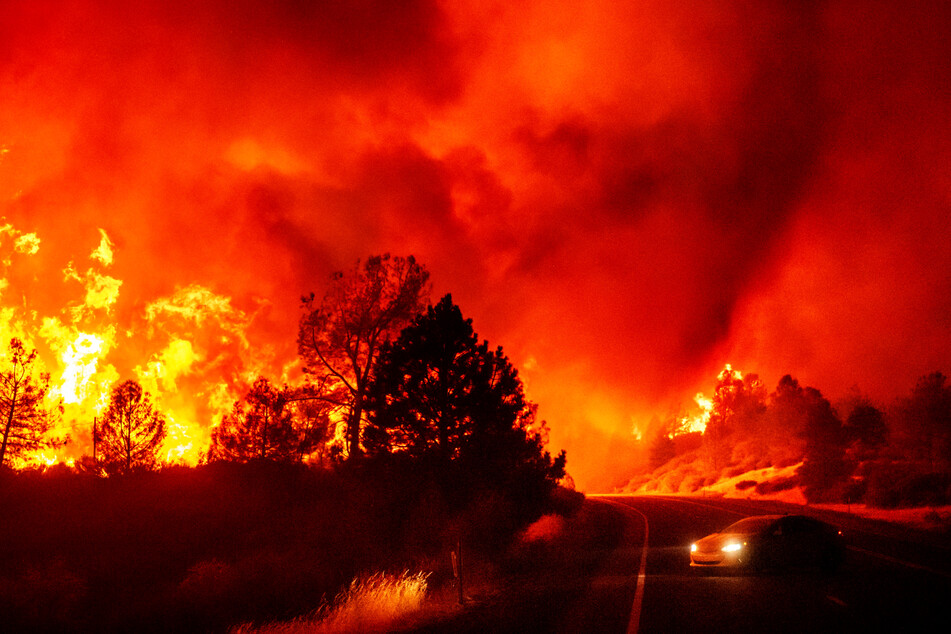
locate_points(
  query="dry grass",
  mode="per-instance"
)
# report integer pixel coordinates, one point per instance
(371, 604)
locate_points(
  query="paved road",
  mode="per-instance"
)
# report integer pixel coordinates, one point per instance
(630, 574)
(893, 580)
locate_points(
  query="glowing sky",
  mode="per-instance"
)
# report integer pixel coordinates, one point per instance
(625, 195)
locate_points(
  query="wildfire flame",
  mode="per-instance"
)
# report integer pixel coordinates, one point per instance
(636, 431)
(697, 423)
(79, 358)
(193, 352)
(179, 445)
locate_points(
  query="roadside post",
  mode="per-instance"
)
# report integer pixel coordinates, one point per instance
(457, 569)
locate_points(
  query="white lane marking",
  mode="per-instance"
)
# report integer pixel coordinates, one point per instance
(837, 600)
(900, 562)
(634, 622)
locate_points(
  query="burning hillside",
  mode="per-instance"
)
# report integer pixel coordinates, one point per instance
(794, 444)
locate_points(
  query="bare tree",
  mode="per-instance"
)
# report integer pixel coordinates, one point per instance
(339, 338)
(131, 431)
(27, 421)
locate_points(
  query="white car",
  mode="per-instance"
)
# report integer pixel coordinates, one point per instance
(771, 541)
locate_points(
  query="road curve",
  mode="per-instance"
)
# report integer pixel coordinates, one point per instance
(893, 579)
(625, 569)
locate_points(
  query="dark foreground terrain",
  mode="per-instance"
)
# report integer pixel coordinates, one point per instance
(893, 579)
(207, 548)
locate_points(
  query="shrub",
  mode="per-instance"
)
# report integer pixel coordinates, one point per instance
(691, 484)
(566, 501)
(42, 598)
(897, 484)
(777, 485)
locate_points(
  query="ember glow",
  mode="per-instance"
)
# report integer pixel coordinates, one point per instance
(623, 195)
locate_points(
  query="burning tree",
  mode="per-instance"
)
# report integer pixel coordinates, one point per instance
(339, 338)
(131, 431)
(26, 420)
(737, 405)
(262, 426)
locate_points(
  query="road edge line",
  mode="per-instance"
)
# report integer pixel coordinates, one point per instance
(634, 621)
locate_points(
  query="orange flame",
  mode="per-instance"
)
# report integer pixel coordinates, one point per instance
(698, 421)
(195, 357)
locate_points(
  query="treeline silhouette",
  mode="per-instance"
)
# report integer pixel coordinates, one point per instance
(439, 448)
(856, 451)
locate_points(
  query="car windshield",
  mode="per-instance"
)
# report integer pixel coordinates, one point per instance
(749, 525)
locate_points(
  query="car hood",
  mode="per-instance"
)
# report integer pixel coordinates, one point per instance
(716, 541)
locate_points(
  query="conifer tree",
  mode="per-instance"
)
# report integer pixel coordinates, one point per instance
(25, 418)
(131, 430)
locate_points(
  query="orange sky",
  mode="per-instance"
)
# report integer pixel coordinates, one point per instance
(623, 195)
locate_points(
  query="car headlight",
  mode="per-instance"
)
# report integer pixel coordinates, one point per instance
(693, 548)
(732, 548)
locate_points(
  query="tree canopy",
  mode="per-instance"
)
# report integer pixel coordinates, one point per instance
(131, 431)
(737, 405)
(262, 426)
(925, 421)
(865, 429)
(339, 338)
(824, 465)
(439, 391)
(26, 420)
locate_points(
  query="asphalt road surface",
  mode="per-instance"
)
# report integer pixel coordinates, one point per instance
(893, 579)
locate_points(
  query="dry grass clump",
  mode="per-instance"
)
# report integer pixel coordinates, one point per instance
(370, 604)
